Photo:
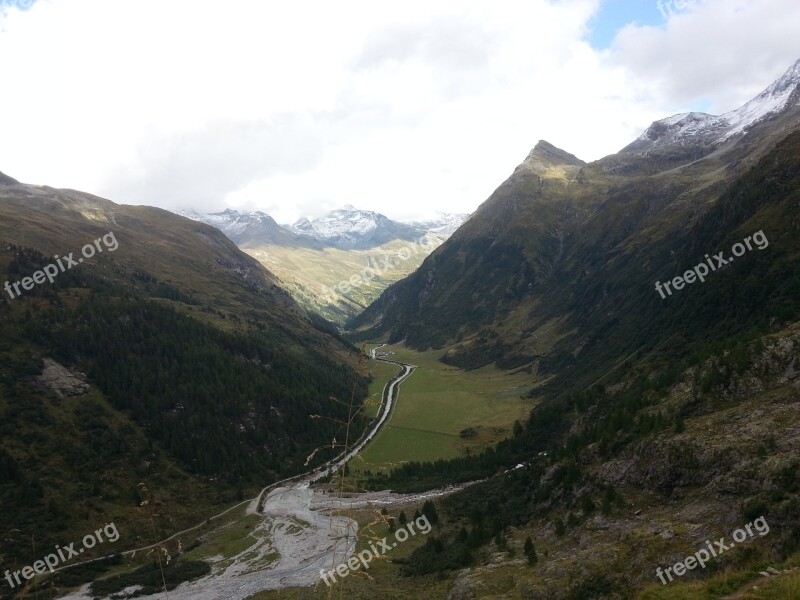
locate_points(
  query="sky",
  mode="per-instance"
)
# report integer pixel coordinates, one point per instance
(408, 109)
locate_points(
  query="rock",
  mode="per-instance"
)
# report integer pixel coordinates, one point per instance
(61, 380)
(461, 588)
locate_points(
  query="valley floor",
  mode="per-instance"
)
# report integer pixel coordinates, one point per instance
(300, 529)
(444, 412)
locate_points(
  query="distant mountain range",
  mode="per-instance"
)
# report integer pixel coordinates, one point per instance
(313, 257)
(347, 228)
(252, 228)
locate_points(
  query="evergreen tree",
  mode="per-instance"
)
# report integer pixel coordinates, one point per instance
(572, 521)
(463, 535)
(530, 551)
(559, 524)
(587, 504)
(429, 510)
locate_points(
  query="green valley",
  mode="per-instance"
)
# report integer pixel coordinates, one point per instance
(444, 412)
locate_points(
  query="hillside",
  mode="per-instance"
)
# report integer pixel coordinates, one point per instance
(666, 414)
(563, 254)
(155, 339)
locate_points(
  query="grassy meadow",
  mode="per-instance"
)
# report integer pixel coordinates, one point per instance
(442, 412)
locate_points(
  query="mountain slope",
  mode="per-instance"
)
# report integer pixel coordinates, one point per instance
(666, 421)
(125, 369)
(6, 180)
(562, 254)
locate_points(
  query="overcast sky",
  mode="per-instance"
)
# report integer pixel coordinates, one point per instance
(407, 108)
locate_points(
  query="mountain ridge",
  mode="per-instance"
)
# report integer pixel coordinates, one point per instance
(349, 228)
(6, 180)
(714, 130)
(523, 246)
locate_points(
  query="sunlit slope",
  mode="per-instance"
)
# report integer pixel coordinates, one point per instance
(358, 276)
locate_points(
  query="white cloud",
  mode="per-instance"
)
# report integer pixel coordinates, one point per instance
(722, 52)
(295, 108)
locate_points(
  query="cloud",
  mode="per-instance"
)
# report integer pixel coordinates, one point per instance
(196, 168)
(295, 108)
(722, 52)
(459, 44)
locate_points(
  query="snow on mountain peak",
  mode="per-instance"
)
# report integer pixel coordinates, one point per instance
(346, 227)
(443, 224)
(685, 128)
(772, 100)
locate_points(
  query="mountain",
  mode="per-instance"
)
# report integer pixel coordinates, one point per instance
(316, 261)
(151, 339)
(6, 180)
(444, 224)
(653, 297)
(710, 131)
(251, 228)
(526, 278)
(349, 228)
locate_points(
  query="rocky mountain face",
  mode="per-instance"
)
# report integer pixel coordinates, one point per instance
(346, 229)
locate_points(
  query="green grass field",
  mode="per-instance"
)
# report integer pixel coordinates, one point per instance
(436, 404)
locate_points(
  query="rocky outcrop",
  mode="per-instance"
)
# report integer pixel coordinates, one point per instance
(61, 381)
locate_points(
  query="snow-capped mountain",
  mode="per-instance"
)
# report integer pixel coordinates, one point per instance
(250, 228)
(690, 129)
(349, 228)
(444, 224)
